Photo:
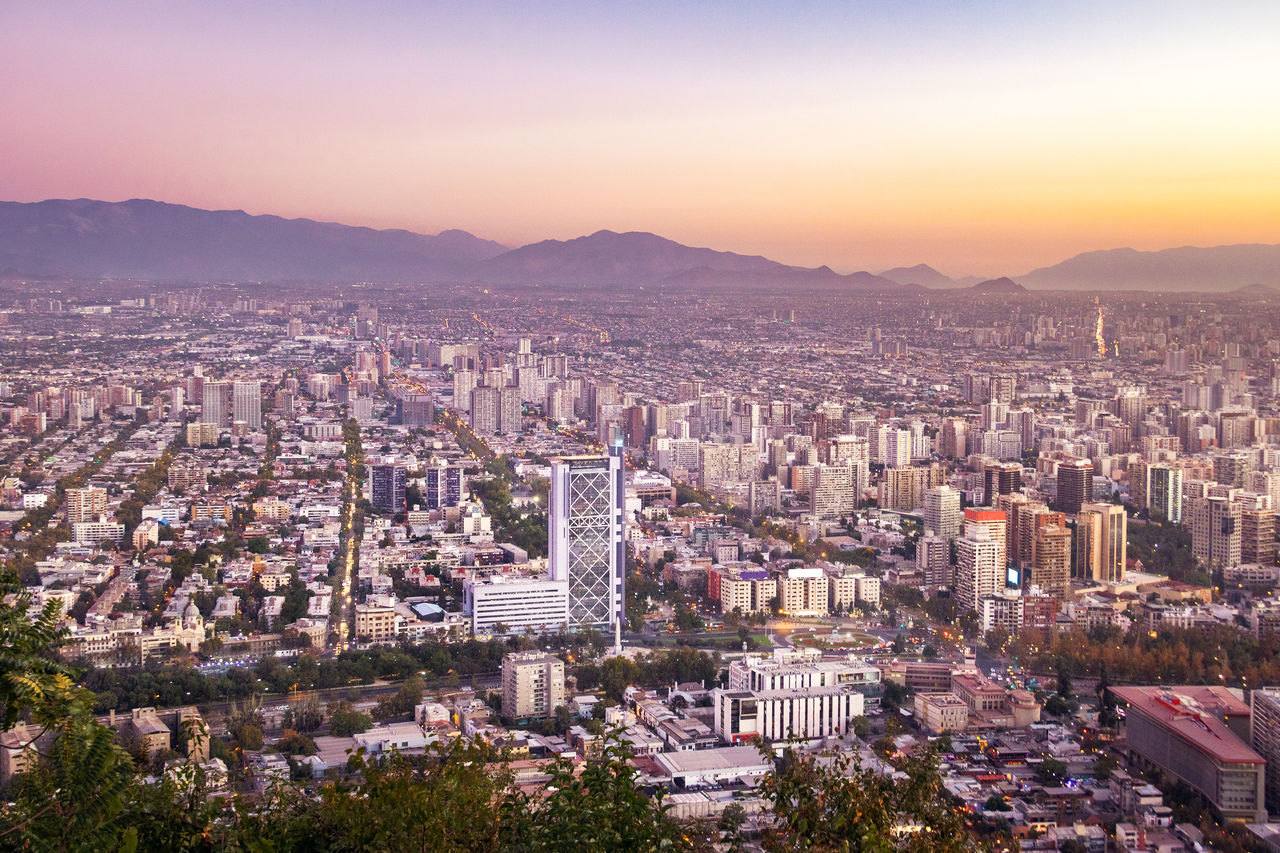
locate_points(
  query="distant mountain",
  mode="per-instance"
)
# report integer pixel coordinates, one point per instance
(1258, 290)
(153, 240)
(607, 257)
(821, 278)
(921, 274)
(998, 285)
(1217, 269)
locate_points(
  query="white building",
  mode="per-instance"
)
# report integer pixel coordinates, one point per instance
(517, 603)
(585, 533)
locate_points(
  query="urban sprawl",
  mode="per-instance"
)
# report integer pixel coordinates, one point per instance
(1033, 535)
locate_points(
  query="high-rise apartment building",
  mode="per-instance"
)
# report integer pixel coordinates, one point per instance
(388, 487)
(942, 514)
(86, 504)
(443, 486)
(834, 491)
(1215, 532)
(1164, 493)
(1258, 533)
(1264, 736)
(213, 403)
(980, 569)
(246, 403)
(1001, 479)
(532, 685)
(464, 382)
(486, 403)
(994, 521)
(585, 527)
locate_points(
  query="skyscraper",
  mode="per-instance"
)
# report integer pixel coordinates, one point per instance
(942, 513)
(1051, 559)
(1102, 532)
(979, 565)
(246, 403)
(1215, 533)
(1075, 485)
(388, 485)
(443, 486)
(586, 535)
(213, 403)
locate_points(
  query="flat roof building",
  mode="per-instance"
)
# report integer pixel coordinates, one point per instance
(1198, 734)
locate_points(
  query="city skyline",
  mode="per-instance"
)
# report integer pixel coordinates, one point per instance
(982, 141)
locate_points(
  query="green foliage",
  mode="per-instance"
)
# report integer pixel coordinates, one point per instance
(832, 803)
(345, 721)
(598, 808)
(1166, 550)
(1051, 771)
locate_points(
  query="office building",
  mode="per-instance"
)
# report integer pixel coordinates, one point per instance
(585, 528)
(532, 685)
(1102, 532)
(778, 699)
(1198, 735)
(515, 605)
(1075, 485)
(388, 487)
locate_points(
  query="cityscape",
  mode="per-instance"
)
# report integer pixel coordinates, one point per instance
(323, 536)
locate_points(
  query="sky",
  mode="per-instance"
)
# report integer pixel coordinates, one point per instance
(983, 138)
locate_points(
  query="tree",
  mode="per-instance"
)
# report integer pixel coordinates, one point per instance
(598, 807)
(1051, 772)
(345, 721)
(304, 715)
(830, 802)
(616, 675)
(73, 797)
(730, 825)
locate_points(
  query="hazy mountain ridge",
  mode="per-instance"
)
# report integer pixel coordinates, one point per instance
(1004, 285)
(921, 274)
(155, 240)
(1213, 269)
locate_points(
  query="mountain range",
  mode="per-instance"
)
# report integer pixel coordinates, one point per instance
(151, 240)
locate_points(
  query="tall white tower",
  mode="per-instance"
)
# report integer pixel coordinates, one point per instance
(585, 527)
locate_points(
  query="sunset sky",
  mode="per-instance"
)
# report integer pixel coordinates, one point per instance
(981, 138)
